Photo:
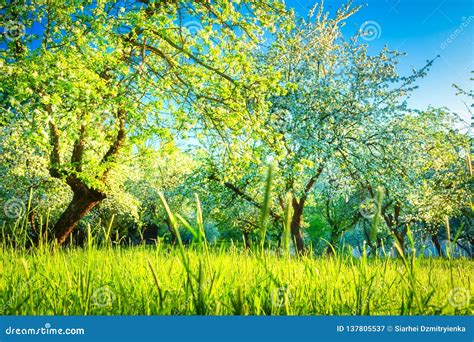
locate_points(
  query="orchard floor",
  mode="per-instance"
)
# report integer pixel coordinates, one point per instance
(158, 281)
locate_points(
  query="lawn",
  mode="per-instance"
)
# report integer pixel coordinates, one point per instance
(159, 280)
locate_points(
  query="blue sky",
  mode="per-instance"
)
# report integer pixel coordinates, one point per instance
(422, 29)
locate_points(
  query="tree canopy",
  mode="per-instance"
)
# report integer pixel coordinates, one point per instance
(106, 104)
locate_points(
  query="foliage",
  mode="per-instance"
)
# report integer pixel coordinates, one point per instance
(108, 104)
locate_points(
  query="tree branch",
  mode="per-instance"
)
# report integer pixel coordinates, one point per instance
(244, 195)
(195, 58)
(78, 150)
(113, 150)
(55, 158)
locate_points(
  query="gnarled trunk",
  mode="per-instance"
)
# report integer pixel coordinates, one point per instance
(82, 202)
(84, 197)
(295, 228)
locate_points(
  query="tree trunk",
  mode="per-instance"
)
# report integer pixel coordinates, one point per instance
(174, 238)
(246, 240)
(398, 229)
(296, 228)
(437, 245)
(84, 197)
(82, 202)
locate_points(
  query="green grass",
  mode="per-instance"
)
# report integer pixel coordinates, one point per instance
(156, 280)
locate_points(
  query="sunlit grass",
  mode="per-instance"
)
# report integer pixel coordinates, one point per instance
(151, 280)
